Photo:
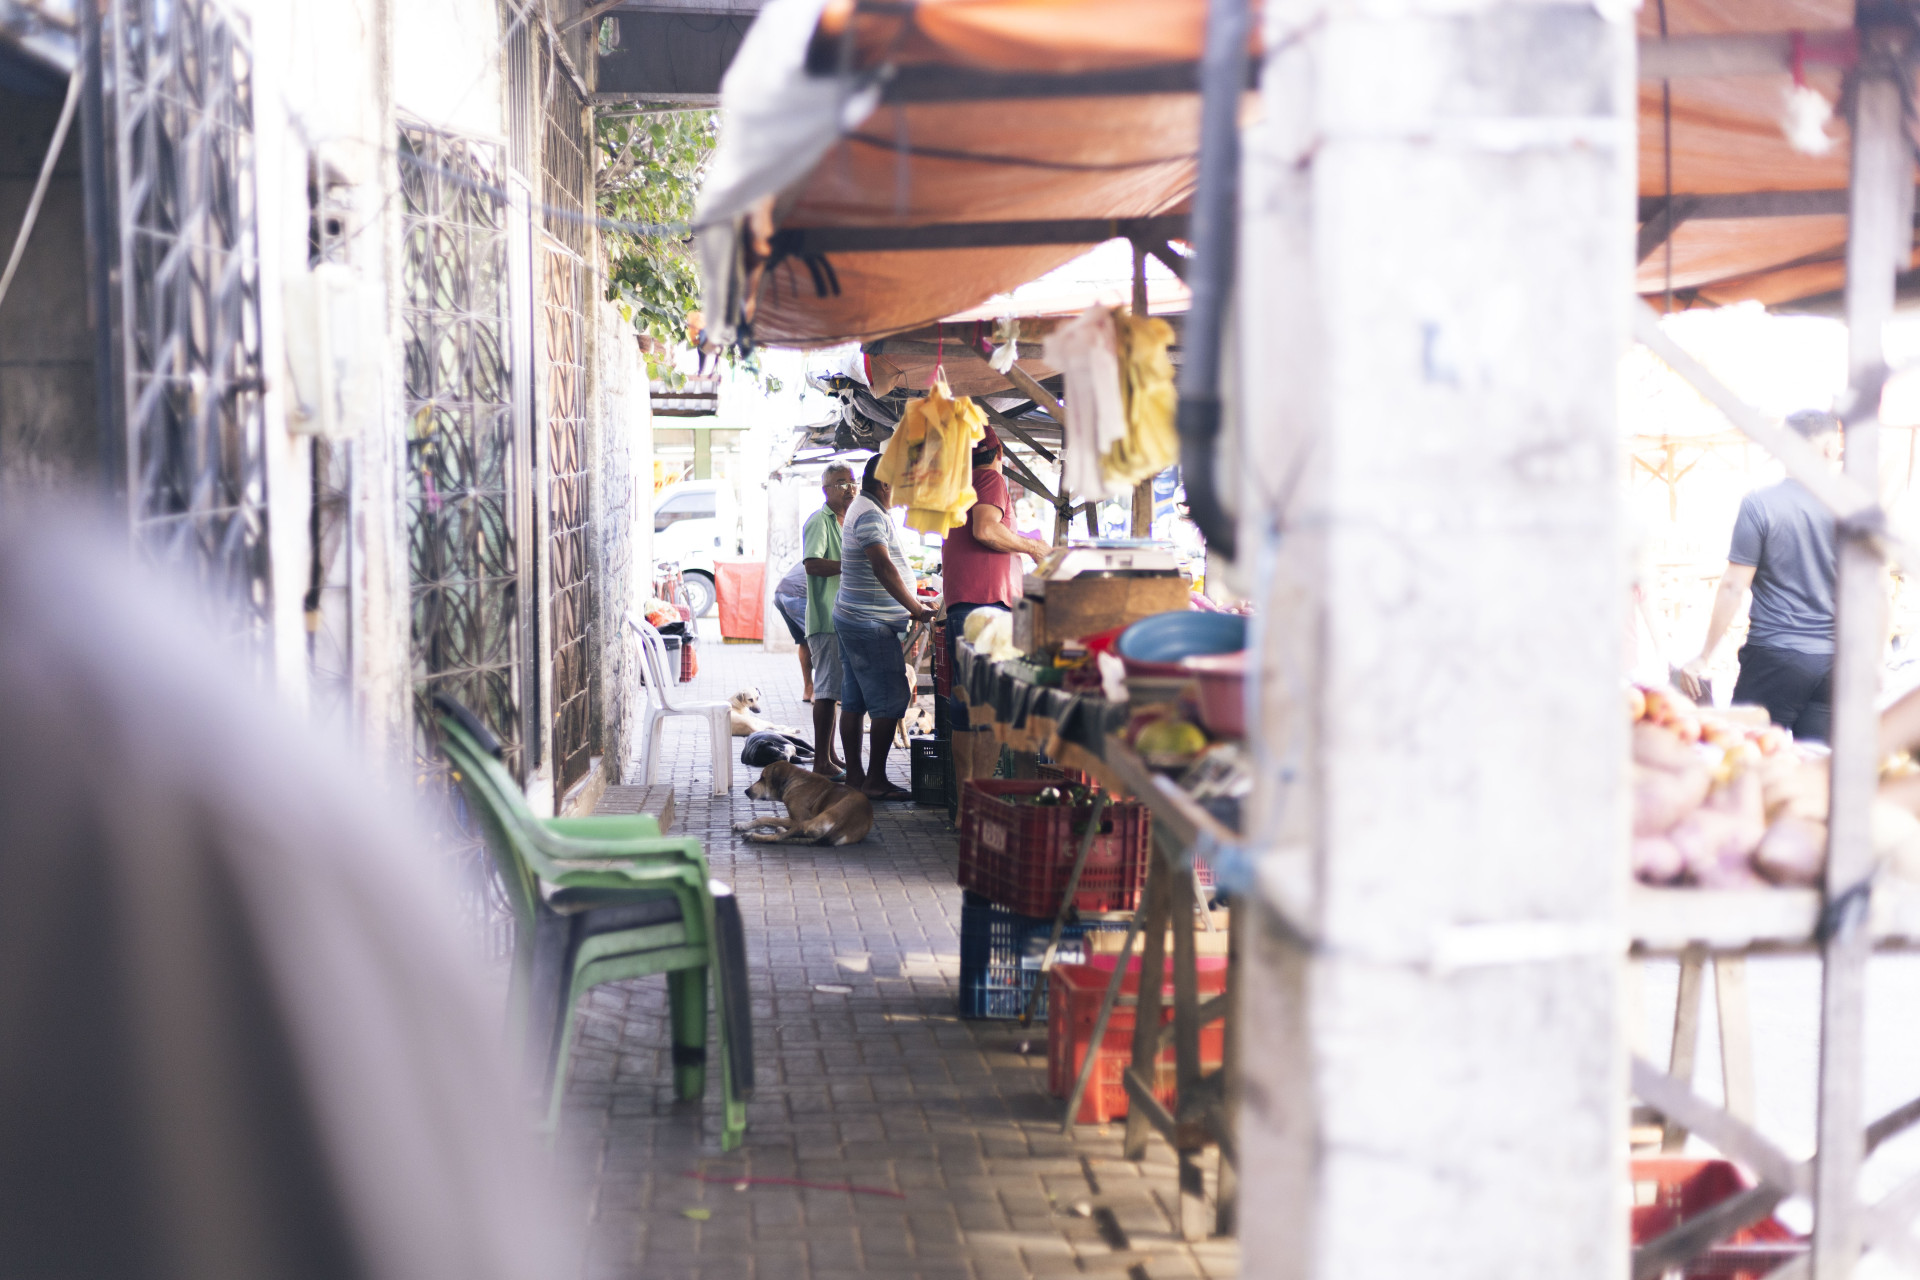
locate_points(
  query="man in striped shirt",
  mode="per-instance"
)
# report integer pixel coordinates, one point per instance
(875, 605)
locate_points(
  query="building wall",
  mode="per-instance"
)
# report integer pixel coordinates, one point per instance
(623, 539)
(49, 431)
(447, 64)
(323, 143)
(330, 82)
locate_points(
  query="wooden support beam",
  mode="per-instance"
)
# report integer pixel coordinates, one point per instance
(1146, 1019)
(1736, 1035)
(1686, 1040)
(1140, 524)
(1734, 54)
(1841, 495)
(1018, 432)
(1025, 476)
(1879, 241)
(1735, 1139)
(974, 235)
(1168, 258)
(937, 83)
(1659, 228)
(1734, 206)
(1030, 386)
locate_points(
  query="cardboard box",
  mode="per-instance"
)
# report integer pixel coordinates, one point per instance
(1088, 605)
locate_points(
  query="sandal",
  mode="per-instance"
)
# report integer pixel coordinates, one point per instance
(891, 793)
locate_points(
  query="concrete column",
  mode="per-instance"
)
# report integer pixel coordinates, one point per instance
(1434, 290)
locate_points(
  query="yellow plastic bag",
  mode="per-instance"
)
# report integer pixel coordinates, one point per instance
(1146, 388)
(929, 460)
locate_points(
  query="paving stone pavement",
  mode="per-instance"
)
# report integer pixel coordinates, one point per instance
(865, 1076)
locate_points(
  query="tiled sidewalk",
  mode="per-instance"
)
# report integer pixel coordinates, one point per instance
(865, 1077)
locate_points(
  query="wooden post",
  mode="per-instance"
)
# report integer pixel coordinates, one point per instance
(1142, 525)
(1146, 1020)
(1736, 1035)
(1686, 1038)
(1878, 245)
(1186, 1045)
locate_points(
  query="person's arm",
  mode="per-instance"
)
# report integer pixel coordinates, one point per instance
(1727, 599)
(888, 575)
(813, 543)
(989, 527)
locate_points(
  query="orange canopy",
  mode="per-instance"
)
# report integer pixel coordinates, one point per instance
(1753, 218)
(885, 167)
(971, 146)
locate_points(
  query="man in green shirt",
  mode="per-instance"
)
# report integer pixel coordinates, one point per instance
(820, 545)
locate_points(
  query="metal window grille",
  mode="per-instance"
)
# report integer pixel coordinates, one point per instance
(570, 605)
(462, 475)
(520, 104)
(186, 433)
(564, 161)
(569, 457)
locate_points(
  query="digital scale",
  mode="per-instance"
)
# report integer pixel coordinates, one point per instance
(1108, 557)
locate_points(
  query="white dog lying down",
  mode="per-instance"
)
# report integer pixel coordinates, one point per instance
(744, 719)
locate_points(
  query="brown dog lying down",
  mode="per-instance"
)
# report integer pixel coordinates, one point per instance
(818, 811)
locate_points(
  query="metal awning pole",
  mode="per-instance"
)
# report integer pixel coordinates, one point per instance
(1879, 244)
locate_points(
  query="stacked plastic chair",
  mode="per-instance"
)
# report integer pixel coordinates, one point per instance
(661, 707)
(604, 899)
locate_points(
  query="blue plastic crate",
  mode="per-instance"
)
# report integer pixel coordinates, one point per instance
(1000, 954)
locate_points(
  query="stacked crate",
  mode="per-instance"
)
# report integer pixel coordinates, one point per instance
(1015, 860)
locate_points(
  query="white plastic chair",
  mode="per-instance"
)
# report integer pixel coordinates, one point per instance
(661, 706)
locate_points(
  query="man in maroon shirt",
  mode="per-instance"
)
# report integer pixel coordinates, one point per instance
(980, 569)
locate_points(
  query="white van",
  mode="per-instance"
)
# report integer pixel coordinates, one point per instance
(694, 521)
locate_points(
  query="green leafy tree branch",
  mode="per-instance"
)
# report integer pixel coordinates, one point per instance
(650, 170)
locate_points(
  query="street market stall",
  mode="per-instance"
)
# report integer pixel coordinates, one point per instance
(1742, 199)
(1172, 1004)
(902, 164)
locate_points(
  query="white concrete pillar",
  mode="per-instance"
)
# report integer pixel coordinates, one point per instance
(1434, 289)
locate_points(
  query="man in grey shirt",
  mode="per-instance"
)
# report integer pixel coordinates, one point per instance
(1783, 549)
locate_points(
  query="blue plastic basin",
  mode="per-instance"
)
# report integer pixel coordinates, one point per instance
(1165, 638)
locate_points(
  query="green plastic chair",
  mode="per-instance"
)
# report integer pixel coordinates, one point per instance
(604, 899)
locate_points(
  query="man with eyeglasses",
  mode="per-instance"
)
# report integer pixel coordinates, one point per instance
(820, 549)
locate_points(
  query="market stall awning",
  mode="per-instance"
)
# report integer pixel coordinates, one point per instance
(881, 167)
(885, 166)
(1740, 213)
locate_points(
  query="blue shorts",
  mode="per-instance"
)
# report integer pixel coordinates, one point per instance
(873, 669)
(796, 627)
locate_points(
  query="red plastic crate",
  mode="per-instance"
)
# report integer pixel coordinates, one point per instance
(1059, 774)
(1074, 993)
(1677, 1188)
(1020, 855)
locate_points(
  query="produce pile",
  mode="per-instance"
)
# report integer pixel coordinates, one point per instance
(1722, 799)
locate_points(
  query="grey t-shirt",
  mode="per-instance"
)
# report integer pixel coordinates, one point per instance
(862, 598)
(1787, 536)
